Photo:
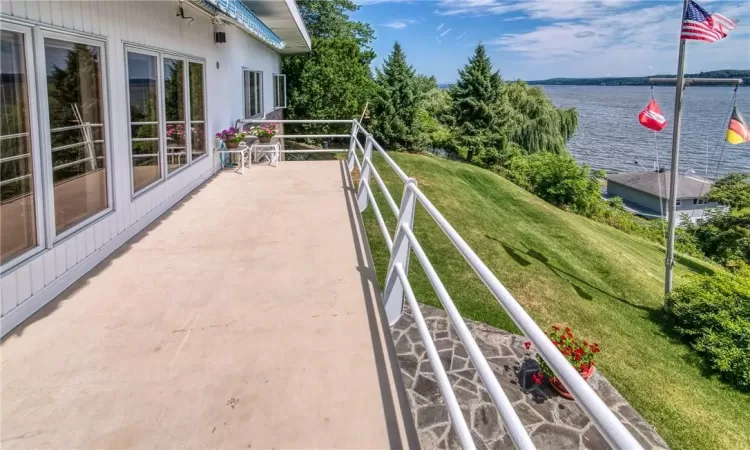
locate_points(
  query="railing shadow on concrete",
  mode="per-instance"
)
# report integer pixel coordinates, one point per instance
(398, 291)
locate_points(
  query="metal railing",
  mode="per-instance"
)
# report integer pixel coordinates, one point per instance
(398, 291)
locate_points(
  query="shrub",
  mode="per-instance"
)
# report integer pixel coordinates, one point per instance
(713, 314)
(558, 179)
(724, 236)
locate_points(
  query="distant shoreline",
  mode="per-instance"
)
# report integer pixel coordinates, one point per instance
(640, 81)
(631, 81)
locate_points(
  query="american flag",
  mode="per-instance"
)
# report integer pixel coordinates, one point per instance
(700, 25)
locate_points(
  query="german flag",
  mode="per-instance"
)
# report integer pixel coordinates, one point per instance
(738, 131)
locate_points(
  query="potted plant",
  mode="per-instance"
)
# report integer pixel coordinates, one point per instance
(176, 132)
(231, 137)
(578, 352)
(264, 132)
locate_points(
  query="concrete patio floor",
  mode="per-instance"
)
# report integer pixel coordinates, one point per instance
(248, 316)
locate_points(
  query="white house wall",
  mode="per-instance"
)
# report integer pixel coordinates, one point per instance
(27, 287)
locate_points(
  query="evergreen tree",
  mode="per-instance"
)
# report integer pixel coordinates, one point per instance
(394, 109)
(477, 107)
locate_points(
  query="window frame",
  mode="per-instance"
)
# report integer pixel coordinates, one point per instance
(277, 76)
(188, 112)
(44, 129)
(35, 137)
(160, 54)
(678, 202)
(159, 119)
(163, 110)
(261, 106)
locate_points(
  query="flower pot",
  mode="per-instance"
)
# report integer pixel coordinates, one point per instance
(560, 388)
(264, 140)
(232, 144)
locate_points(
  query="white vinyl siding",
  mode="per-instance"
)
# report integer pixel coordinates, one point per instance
(36, 275)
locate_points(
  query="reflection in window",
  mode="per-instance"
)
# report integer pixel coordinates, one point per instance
(253, 89)
(144, 119)
(174, 107)
(76, 117)
(197, 110)
(17, 218)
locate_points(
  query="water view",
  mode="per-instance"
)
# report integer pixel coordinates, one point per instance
(609, 135)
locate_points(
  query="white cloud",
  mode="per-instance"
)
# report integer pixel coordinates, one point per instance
(445, 32)
(632, 41)
(440, 27)
(460, 36)
(536, 9)
(400, 24)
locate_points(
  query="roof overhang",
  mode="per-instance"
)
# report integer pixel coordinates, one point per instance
(284, 19)
(276, 23)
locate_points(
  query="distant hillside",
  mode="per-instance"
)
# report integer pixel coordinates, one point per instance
(641, 81)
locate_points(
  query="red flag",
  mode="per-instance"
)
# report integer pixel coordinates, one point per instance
(651, 117)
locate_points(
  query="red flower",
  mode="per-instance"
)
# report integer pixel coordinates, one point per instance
(567, 330)
(556, 344)
(556, 328)
(538, 378)
(585, 343)
(577, 357)
(527, 344)
(584, 367)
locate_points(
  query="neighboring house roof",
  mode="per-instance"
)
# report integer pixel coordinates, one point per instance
(648, 182)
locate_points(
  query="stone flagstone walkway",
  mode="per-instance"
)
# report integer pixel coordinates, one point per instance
(552, 421)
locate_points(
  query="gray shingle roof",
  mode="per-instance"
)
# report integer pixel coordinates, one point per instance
(648, 182)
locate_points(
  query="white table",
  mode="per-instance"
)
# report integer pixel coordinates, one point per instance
(267, 151)
(242, 150)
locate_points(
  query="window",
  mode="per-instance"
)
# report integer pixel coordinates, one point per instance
(167, 96)
(679, 202)
(174, 107)
(143, 97)
(39, 206)
(279, 91)
(701, 202)
(253, 87)
(18, 195)
(197, 109)
(76, 131)
(695, 201)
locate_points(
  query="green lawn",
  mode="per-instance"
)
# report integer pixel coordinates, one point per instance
(563, 268)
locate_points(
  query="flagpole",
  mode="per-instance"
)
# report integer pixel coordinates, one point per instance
(672, 214)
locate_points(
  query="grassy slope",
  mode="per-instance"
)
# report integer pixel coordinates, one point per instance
(563, 268)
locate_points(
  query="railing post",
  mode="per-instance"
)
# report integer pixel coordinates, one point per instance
(364, 176)
(393, 295)
(352, 146)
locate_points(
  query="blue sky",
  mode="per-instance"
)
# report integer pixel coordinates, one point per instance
(536, 39)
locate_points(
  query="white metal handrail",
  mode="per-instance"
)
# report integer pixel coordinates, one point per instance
(398, 291)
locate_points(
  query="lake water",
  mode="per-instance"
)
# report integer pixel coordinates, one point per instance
(610, 137)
